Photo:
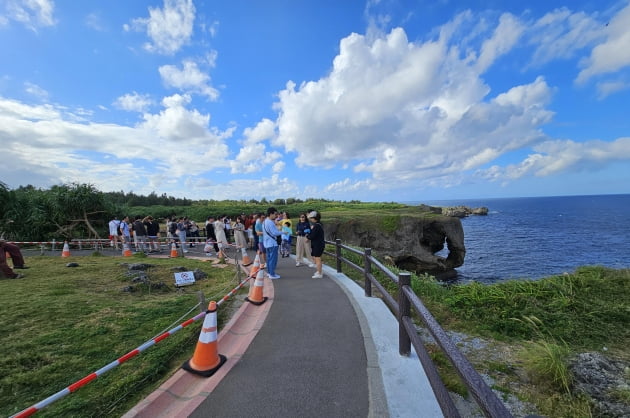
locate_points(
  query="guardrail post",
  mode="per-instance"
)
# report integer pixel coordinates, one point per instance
(53, 244)
(367, 262)
(80, 246)
(203, 305)
(404, 310)
(338, 254)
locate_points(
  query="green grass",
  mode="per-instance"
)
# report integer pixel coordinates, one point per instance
(60, 324)
(547, 321)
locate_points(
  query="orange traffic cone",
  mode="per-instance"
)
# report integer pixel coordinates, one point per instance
(246, 260)
(66, 250)
(174, 253)
(206, 360)
(256, 266)
(126, 252)
(257, 293)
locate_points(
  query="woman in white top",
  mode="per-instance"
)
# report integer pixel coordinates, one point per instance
(219, 231)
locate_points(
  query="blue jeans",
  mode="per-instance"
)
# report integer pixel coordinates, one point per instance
(272, 259)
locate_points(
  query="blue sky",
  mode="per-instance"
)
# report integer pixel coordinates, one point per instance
(372, 100)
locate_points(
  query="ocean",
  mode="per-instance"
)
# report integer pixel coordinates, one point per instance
(536, 237)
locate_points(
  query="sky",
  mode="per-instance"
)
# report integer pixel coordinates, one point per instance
(377, 100)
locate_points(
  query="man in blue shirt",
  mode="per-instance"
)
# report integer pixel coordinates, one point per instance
(270, 232)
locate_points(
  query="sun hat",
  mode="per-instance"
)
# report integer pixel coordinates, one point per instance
(313, 214)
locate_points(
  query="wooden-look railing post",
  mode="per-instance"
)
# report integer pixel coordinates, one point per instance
(367, 262)
(404, 310)
(338, 254)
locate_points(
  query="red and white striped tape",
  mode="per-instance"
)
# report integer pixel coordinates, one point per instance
(87, 379)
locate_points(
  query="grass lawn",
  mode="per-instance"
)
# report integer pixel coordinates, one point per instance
(60, 324)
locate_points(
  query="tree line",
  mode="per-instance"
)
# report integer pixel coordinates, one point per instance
(76, 210)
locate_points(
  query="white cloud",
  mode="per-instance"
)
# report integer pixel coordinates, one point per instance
(552, 157)
(414, 112)
(613, 54)
(134, 102)
(560, 34)
(33, 14)
(606, 88)
(253, 155)
(189, 79)
(169, 28)
(94, 21)
(35, 90)
(504, 38)
(168, 147)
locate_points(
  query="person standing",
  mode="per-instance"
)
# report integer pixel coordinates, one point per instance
(270, 234)
(139, 234)
(181, 233)
(153, 232)
(5, 270)
(219, 232)
(318, 243)
(239, 233)
(125, 235)
(113, 232)
(285, 246)
(303, 245)
(258, 238)
(211, 237)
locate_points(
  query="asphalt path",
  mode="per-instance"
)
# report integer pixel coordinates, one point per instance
(308, 360)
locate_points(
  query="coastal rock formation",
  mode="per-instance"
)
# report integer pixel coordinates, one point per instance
(411, 242)
(463, 211)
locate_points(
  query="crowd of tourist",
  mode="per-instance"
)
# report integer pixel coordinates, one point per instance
(270, 234)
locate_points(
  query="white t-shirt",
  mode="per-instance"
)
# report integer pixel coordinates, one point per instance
(113, 226)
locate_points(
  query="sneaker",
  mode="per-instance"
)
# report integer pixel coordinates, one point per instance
(274, 276)
(17, 276)
(317, 276)
(312, 265)
(20, 267)
(298, 264)
(185, 251)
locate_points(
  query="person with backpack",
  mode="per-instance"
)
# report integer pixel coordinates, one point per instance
(171, 228)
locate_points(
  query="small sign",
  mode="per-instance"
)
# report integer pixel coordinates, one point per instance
(184, 278)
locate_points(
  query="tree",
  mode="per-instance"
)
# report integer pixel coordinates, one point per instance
(73, 205)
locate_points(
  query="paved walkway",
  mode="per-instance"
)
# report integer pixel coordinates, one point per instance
(316, 348)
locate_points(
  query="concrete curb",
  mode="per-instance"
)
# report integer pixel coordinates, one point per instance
(398, 385)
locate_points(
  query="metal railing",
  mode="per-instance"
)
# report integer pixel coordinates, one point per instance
(402, 306)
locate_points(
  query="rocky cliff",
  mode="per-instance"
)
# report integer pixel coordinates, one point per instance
(410, 240)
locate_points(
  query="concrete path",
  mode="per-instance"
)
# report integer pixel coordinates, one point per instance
(316, 348)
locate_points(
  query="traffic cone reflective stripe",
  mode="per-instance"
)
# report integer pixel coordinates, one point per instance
(255, 267)
(246, 260)
(174, 252)
(257, 297)
(126, 250)
(206, 360)
(66, 249)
